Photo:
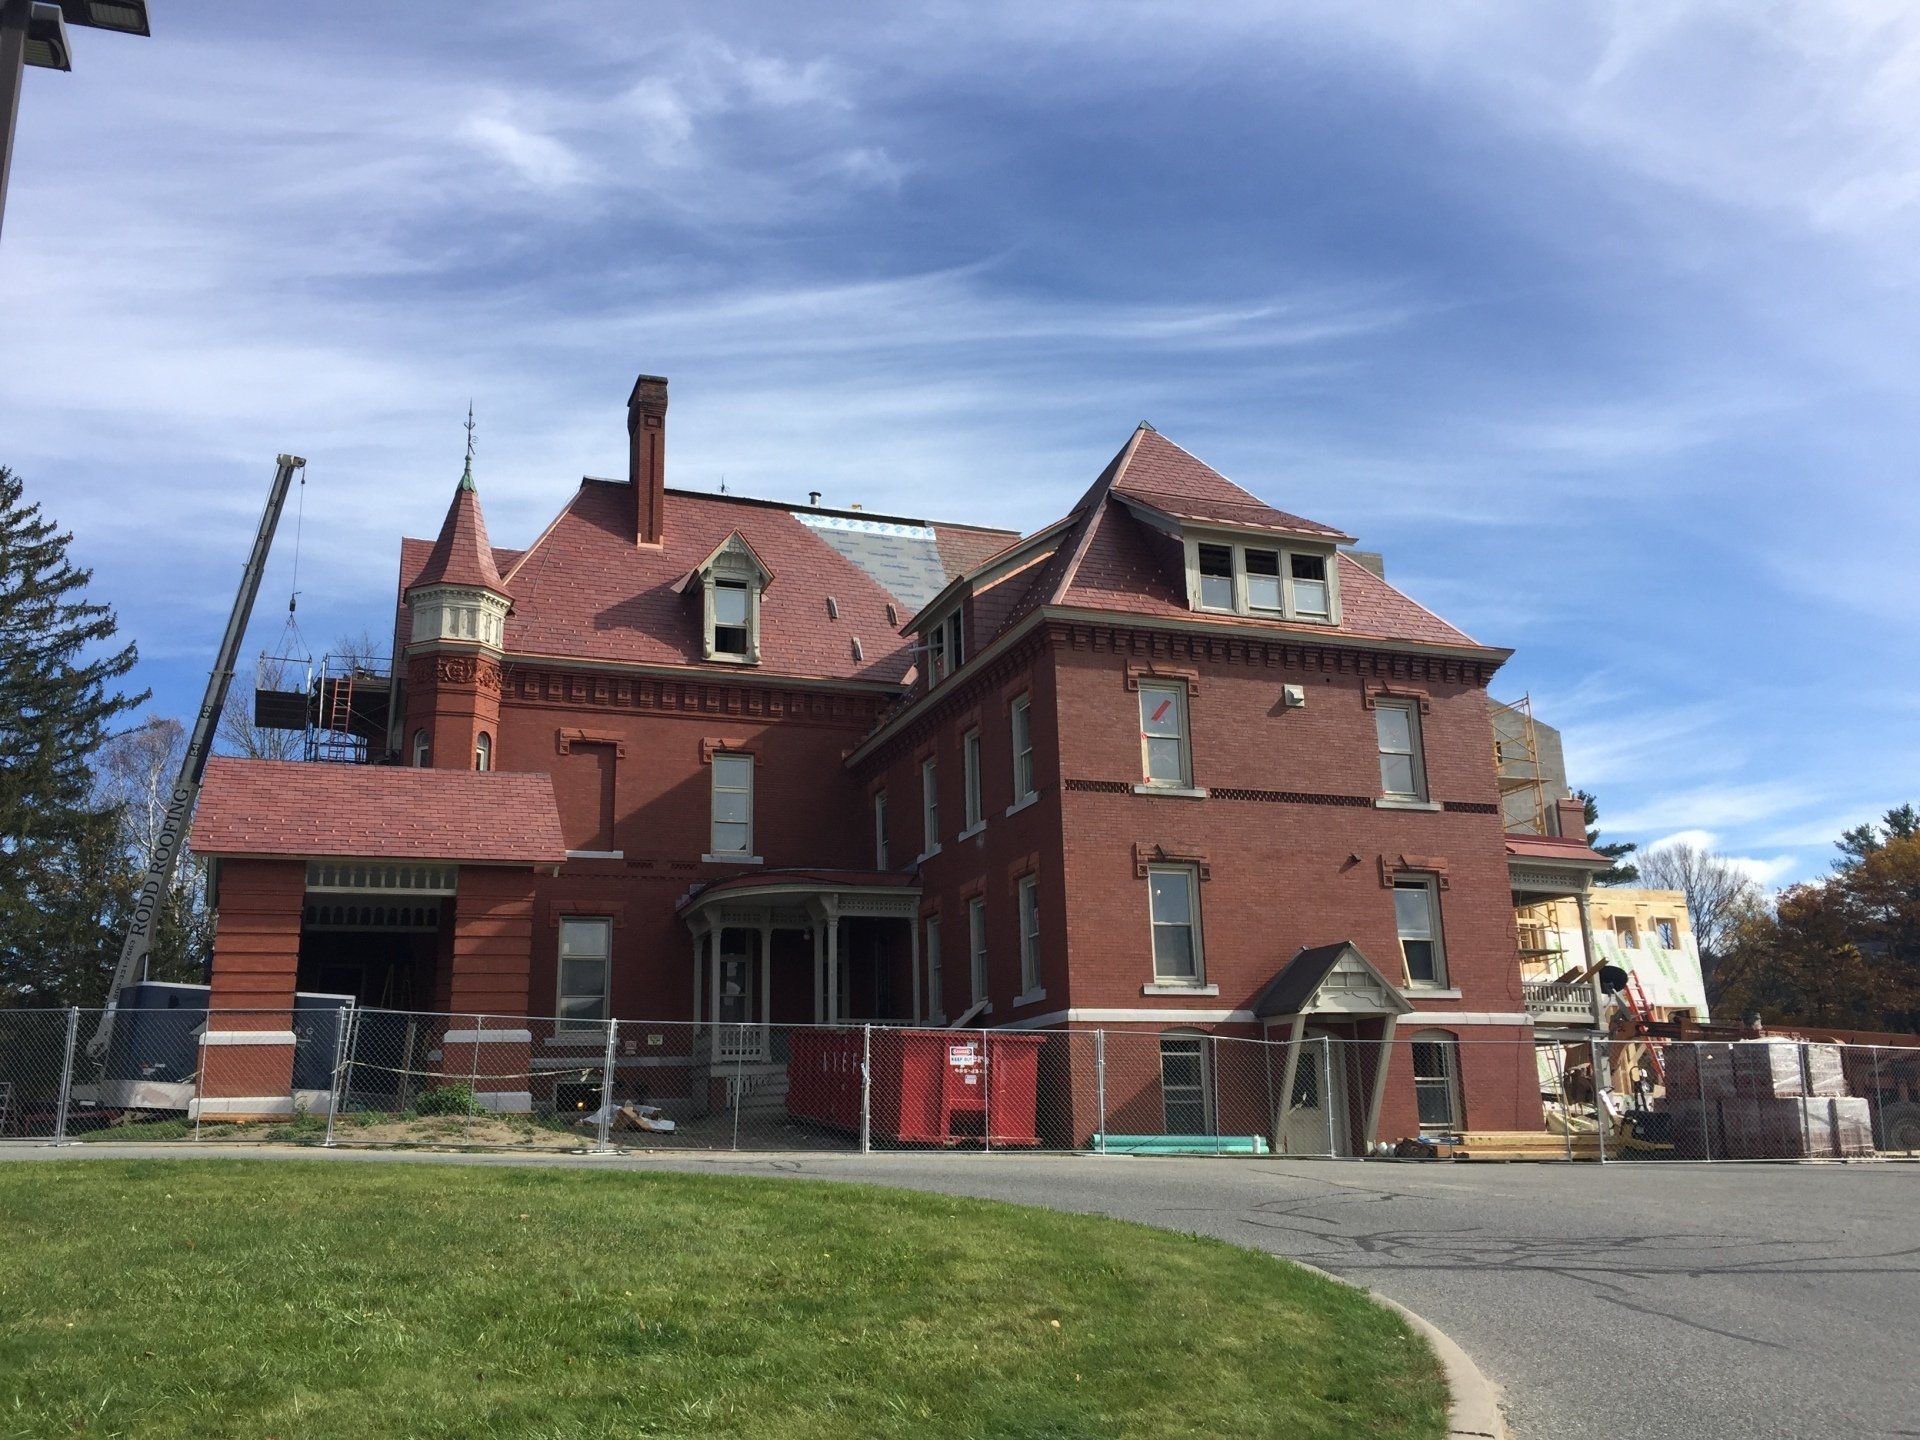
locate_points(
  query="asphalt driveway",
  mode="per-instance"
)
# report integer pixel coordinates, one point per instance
(1686, 1301)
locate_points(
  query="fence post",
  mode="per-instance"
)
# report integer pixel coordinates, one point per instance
(739, 1076)
(866, 1089)
(339, 1067)
(1100, 1083)
(607, 1062)
(986, 1096)
(1602, 1116)
(473, 1073)
(1326, 1090)
(1213, 1064)
(1876, 1124)
(1706, 1118)
(66, 1076)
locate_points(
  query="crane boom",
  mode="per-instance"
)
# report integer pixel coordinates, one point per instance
(158, 879)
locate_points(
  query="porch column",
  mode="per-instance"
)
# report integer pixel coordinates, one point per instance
(698, 940)
(1591, 952)
(913, 951)
(713, 962)
(1387, 1026)
(819, 978)
(766, 986)
(1285, 1107)
(833, 968)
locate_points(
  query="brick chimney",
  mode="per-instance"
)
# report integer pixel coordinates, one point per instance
(647, 462)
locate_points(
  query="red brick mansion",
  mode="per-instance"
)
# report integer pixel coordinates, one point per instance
(1180, 763)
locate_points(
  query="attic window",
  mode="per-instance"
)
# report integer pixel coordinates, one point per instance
(1265, 580)
(946, 650)
(731, 584)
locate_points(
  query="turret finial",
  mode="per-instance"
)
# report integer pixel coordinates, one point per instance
(466, 476)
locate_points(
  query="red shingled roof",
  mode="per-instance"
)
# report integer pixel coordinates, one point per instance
(1160, 474)
(294, 809)
(584, 590)
(462, 556)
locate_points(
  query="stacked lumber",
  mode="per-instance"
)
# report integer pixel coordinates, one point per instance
(1524, 1145)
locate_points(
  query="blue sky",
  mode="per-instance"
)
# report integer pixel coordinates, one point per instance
(1599, 321)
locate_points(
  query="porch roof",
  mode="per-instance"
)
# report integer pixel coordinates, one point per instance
(296, 809)
(798, 886)
(1301, 987)
(1548, 867)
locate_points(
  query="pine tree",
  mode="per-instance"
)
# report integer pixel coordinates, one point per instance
(1624, 871)
(57, 839)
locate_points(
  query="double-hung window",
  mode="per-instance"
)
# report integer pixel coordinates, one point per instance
(1403, 773)
(586, 945)
(1029, 934)
(1237, 578)
(1416, 912)
(929, 807)
(1174, 905)
(1216, 577)
(1263, 582)
(1311, 596)
(977, 947)
(732, 633)
(970, 774)
(946, 648)
(732, 805)
(1436, 1080)
(880, 830)
(1165, 757)
(1020, 724)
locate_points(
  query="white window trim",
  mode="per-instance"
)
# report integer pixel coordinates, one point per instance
(945, 639)
(1177, 792)
(1028, 895)
(1022, 803)
(483, 752)
(560, 1022)
(974, 807)
(422, 750)
(746, 852)
(1019, 717)
(1181, 984)
(929, 807)
(1286, 550)
(979, 980)
(1435, 923)
(1184, 785)
(1417, 798)
(736, 565)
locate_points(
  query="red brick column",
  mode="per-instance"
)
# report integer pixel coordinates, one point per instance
(492, 955)
(247, 1051)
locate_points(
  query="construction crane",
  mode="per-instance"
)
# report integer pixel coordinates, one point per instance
(158, 880)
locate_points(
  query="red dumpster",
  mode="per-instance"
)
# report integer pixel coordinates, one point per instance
(930, 1087)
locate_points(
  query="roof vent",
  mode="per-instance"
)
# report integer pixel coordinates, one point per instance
(893, 615)
(833, 608)
(813, 497)
(859, 655)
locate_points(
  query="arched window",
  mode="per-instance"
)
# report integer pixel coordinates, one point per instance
(483, 752)
(1436, 1080)
(422, 750)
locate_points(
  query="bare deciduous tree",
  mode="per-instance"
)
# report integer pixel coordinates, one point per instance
(1718, 892)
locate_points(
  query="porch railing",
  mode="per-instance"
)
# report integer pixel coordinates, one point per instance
(1560, 1000)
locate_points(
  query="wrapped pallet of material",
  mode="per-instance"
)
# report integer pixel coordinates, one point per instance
(1852, 1126)
(1696, 1070)
(1769, 1069)
(1824, 1069)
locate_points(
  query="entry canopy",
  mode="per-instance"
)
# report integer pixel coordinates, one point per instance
(1332, 980)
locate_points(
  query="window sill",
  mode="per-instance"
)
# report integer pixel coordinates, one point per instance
(1394, 802)
(926, 855)
(1172, 987)
(1032, 997)
(1178, 792)
(733, 860)
(972, 830)
(596, 854)
(721, 658)
(1429, 992)
(1023, 802)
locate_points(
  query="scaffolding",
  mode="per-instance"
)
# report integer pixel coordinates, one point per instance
(1516, 761)
(339, 708)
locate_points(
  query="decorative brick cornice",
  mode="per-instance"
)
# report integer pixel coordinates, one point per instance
(1328, 656)
(554, 687)
(1146, 855)
(1154, 670)
(1394, 866)
(565, 739)
(482, 672)
(712, 745)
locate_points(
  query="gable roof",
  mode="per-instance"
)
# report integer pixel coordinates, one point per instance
(1296, 988)
(293, 809)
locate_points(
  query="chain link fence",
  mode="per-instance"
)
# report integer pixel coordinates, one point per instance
(339, 1074)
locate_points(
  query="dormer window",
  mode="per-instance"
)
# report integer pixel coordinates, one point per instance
(731, 583)
(1237, 578)
(946, 648)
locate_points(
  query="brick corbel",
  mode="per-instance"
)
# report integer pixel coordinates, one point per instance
(1145, 854)
(712, 745)
(554, 912)
(1396, 865)
(1137, 672)
(566, 739)
(1374, 691)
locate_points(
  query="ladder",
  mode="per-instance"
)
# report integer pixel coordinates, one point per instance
(1636, 1001)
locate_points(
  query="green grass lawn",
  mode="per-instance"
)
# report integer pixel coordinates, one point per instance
(308, 1299)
